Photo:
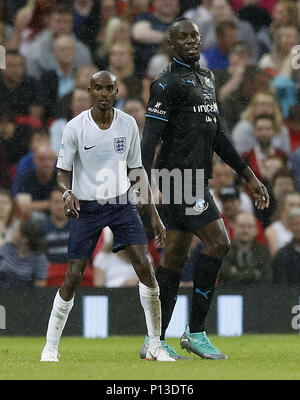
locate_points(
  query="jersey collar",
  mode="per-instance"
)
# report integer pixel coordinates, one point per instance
(181, 63)
(182, 66)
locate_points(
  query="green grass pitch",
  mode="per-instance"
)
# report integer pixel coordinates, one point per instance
(251, 357)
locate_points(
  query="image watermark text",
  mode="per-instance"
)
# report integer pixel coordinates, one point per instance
(2, 318)
(2, 57)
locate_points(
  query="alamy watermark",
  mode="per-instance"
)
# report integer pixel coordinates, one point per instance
(175, 187)
(2, 318)
(2, 57)
(296, 318)
(296, 58)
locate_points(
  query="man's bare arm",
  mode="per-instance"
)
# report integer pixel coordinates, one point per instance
(72, 206)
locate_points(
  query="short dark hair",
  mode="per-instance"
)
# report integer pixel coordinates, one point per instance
(223, 26)
(178, 20)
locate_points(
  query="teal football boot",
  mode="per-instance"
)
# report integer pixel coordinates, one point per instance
(198, 343)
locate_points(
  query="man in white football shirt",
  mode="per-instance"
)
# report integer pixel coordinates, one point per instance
(97, 147)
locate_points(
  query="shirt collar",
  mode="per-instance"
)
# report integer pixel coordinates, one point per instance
(178, 62)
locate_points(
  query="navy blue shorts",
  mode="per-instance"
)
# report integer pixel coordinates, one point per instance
(123, 220)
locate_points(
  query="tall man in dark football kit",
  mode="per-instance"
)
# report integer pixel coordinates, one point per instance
(183, 115)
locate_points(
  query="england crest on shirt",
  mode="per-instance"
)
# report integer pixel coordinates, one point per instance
(120, 144)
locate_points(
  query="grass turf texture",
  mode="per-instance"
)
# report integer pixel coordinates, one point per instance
(251, 357)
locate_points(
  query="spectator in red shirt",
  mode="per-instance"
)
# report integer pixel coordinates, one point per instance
(230, 198)
(264, 132)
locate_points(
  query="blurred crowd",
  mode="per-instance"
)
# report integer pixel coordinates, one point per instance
(52, 47)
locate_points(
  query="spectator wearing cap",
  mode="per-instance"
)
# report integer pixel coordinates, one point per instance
(231, 203)
(248, 262)
(287, 261)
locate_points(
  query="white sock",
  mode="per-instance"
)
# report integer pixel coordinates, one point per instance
(58, 319)
(152, 309)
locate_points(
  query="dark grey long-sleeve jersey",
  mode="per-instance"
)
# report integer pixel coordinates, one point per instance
(183, 114)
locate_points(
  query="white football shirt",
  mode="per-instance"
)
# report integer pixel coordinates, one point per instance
(99, 158)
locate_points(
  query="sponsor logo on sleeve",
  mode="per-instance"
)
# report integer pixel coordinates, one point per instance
(156, 109)
(163, 86)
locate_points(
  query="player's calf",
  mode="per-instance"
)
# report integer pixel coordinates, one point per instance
(73, 278)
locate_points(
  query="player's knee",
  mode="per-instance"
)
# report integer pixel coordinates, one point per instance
(222, 248)
(140, 260)
(219, 248)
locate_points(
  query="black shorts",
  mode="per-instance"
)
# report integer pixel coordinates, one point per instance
(181, 217)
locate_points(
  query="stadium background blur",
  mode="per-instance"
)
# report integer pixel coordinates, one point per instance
(52, 49)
